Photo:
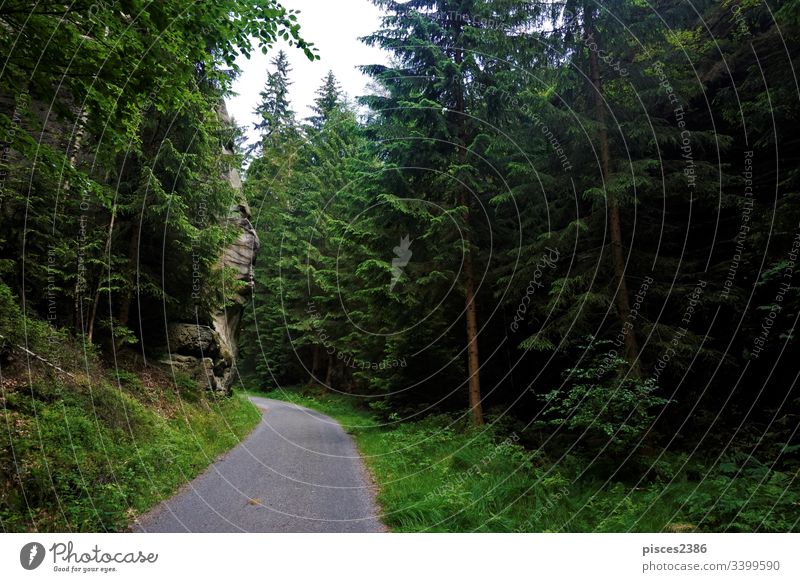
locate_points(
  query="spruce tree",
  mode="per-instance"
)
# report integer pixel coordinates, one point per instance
(329, 99)
(274, 111)
(440, 53)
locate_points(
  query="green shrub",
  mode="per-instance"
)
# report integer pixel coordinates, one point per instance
(10, 320)
(609, 410)
(53, 345)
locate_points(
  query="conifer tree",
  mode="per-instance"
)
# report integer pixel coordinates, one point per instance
(329, 98)
(440, 50)
(275, 112)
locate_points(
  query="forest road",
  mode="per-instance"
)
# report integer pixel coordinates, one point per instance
(298, 471)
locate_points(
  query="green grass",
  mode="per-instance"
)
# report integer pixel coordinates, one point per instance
(441, 475)
(90, 449)
(91, 460)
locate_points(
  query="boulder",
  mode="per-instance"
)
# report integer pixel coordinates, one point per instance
(189, 339)
(201, 370)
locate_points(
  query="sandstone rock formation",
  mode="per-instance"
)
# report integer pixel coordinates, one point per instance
(209, 353)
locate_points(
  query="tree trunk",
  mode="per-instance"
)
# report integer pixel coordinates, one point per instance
(73, 160)
(474, 367)
(329, 373)
(93, 314)
(614, 222)
(314, 365)
(96, 301)
(473, 359)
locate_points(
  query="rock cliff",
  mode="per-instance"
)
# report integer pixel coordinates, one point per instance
(208, 353)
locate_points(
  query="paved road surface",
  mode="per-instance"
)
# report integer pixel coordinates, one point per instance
(298, 471)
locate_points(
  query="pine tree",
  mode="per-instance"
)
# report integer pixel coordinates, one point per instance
(329, 99)
(440, 50)
(274, 110)
(298, 330)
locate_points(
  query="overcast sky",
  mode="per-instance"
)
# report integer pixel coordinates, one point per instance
(334, 26)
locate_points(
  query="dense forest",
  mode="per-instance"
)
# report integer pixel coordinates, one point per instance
(574, 220)
(567, 227)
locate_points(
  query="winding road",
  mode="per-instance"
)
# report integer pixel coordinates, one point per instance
(298, 471)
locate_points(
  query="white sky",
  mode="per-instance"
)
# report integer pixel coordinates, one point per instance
(334, 26)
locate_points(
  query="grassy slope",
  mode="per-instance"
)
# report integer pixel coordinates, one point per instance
(75, 459)
(435, 475)
(91, 446)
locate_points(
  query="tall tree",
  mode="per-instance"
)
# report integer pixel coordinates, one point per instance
(622, 296)
(441, 51)
(274, 110)
(329, 98)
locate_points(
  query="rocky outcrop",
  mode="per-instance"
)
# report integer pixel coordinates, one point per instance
(208, 353)
(239, 257)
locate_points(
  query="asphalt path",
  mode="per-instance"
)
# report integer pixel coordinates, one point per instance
(298, 471)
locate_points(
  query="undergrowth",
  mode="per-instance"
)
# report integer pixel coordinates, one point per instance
(439, 474)
(87, 449)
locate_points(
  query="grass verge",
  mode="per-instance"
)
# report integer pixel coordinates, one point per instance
(87, 445)
(441, 475)
(75, 458)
